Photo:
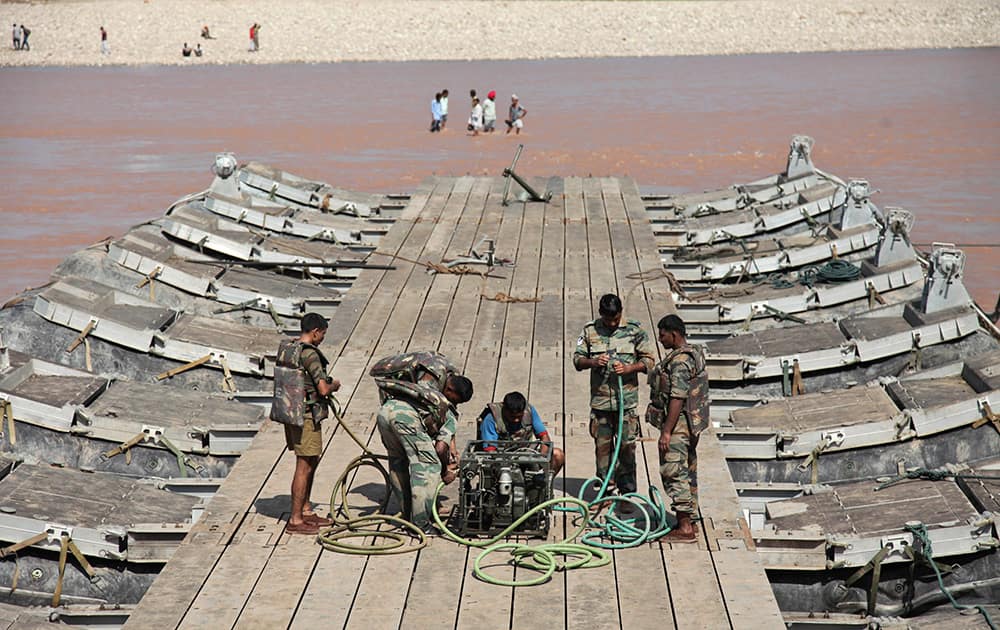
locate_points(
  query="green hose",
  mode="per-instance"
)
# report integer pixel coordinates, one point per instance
(622, 531)
(347, 527)
(919, 531)
(538, 557)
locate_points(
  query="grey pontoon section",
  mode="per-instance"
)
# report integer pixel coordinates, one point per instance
(801, 207)
(769, 255)
(273, 183)
(202, 230)
(286, 295)
(309, 224)
(849, 523)
(893, 267)
(223, 344)
(84, 305)
(881, 413)
(194, 422)
(799, 174)
(107, 516)
(161, 260)
(942, 617)
(876, 335)
(46, 394)
(93, 308)
(721, 304)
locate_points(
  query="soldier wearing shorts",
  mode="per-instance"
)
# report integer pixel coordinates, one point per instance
(679, 408)
(307, 440)
(611, 349)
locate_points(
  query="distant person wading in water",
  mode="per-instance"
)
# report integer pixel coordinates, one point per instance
(516, 118)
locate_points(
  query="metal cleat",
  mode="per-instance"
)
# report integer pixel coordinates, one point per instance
(482, 253)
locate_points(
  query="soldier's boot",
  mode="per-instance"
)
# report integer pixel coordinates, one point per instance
(684, 532)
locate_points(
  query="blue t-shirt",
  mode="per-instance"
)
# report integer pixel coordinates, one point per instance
(488, 428)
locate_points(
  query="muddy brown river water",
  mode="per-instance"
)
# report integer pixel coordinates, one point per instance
(87, 152)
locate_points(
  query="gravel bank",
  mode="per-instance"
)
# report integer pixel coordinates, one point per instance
(153, 32)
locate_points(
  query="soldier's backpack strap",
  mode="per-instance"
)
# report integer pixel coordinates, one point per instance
(322, 358)
(492, 409)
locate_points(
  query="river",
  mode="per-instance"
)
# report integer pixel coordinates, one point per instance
(87, 152)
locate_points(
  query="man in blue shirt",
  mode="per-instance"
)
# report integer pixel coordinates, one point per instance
(519, 422)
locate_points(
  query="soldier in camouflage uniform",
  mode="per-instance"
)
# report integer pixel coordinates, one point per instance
(428, 368)
(307, 441)
(609, 349)
(679, 407)
(416, 432)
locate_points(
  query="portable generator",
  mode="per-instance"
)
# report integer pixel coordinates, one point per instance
(500, 486)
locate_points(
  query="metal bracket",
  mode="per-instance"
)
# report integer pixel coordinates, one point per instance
(482, 253)
(509, 174)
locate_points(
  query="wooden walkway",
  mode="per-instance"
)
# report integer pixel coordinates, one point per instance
(237, 569)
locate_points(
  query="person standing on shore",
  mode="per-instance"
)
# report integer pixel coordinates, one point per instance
(436, 113)
(490, 112)
(254, 37)
(186, 51)
(25, 31)
(517, 114)
(197, 51)
(105, 48)
(17, 37)
(444, 109)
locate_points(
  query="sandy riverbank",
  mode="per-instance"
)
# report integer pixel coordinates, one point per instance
(153, 31)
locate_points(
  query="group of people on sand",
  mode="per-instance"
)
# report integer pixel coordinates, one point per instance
(483, 114)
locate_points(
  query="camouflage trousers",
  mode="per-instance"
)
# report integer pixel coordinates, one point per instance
(679, 469)
(604, 429)
(414, 466)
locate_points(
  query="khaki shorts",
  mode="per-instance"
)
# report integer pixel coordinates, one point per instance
(307, 440)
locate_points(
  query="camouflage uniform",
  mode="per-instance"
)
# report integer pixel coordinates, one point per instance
(307, 440)
(628, 343)
(682, 374)
(416, 367)
(414, 466)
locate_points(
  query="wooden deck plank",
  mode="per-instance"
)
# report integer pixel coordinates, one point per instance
(383, 591)
(484, 605)
(749, 599)
(694, 589)
(545, 393)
